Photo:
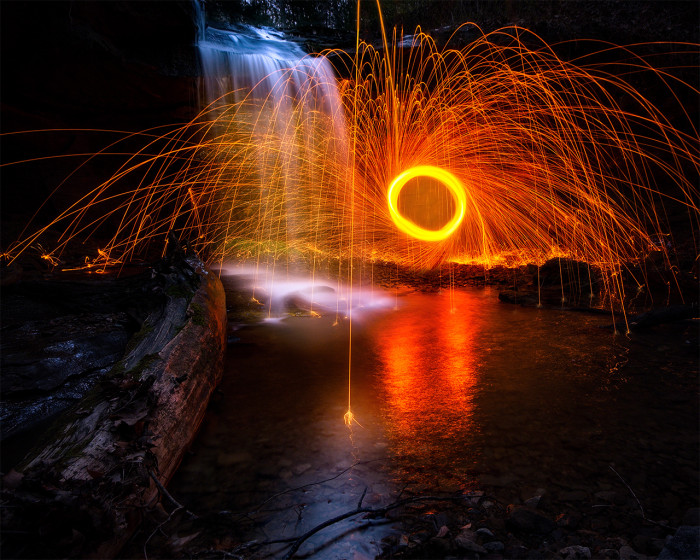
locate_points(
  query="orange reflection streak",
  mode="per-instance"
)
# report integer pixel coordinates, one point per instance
(428, 370)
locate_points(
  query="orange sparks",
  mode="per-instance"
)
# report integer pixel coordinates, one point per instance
(529, 156)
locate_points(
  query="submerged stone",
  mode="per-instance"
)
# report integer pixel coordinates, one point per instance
(526, 520)
(684, 544)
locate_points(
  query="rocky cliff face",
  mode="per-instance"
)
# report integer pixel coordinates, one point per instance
(121, 66)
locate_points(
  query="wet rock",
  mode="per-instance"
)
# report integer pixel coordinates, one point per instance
(484, 533)
(684, 544)
(469, 546)
(440, 519)
(615, 542)
(466, 535)
(494, 547)
(59, 337)
(34, 365)
(609, 553)
(569, 520)
(533, 502)
(526, 520)
(576, 552)
(494, 522)
(440, 545)
(692, 517)
(421, 537)
(516, 552)
(519, 297)
(629, 553)
(473, 498)
(600, 524)
(610, 497)
(573, 496)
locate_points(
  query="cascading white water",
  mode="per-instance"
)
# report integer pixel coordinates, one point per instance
(261, 62)
(285, 106)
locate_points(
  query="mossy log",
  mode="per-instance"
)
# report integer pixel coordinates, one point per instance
(81, 493)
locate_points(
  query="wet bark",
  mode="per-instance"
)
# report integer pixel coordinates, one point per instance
(81, 493)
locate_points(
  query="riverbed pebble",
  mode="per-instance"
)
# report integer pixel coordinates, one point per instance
(533, 502)
(692, 517)
(526, 520)
(494, 547)
(569, 520)
(573, 496)
(629, 553)
(575, 552)
(684, 544)
(469, 546)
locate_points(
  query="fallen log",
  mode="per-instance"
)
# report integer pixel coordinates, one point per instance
(82, 491)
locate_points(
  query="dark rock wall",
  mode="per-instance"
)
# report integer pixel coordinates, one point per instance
(120, 66)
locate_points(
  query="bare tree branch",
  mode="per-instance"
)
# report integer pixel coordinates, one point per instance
(169, 496)
(375, 512)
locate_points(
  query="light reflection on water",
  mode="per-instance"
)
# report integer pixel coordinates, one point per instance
(454, 391)
(429, 373)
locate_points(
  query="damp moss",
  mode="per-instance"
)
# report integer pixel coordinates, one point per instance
(180, 290)
(144, 363)
(138, 337)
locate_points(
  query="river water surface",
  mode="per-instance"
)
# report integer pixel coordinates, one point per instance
(454, 392)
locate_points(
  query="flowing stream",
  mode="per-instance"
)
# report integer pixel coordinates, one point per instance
(454, 392)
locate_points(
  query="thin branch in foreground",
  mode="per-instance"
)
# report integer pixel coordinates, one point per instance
(158, 528)
(630, 489)
(640, 504)
(374, 512)
(304, 486)
(169, 496)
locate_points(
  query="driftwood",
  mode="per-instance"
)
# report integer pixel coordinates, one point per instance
(82, 492)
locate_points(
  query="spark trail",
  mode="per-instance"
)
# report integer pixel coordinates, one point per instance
(529, 157)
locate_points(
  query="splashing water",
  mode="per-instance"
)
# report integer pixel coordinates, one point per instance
(282, 293)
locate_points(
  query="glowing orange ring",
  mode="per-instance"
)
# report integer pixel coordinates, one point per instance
(446, 178)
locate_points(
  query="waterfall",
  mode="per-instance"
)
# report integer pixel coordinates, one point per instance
(284, 107)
